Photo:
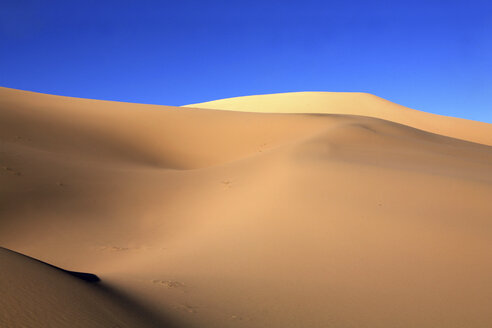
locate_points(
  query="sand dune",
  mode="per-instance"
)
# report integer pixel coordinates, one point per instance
(374, 216)
(355, 103)
(35, 294)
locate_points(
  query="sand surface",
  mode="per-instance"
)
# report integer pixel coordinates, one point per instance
(355, 103)
(290, 210)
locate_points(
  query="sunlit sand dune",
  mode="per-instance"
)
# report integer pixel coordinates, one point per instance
(374, 216)
(355, 103)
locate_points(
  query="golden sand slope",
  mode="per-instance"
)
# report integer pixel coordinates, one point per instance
(229, 219)
(355, 103)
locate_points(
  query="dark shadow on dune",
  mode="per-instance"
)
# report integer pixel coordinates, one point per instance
(145, 315)
(134, 309)
(89, 277)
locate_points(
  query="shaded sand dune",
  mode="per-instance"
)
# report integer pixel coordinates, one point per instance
(216, 218)
(36, 294)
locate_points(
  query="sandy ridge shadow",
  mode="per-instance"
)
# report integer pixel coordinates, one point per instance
(140, 314)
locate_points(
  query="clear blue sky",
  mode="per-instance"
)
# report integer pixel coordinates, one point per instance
(430, 55)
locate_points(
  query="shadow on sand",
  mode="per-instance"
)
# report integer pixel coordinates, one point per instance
(140, 313)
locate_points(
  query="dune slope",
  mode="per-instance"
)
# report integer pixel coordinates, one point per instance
(35, 294)
(355, 103)
(233, 219)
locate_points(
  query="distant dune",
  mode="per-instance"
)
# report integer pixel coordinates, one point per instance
(355, 103)
(353, 212)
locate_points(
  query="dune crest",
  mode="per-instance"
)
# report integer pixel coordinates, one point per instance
(341, 215)
(36, 294)
(355, 103)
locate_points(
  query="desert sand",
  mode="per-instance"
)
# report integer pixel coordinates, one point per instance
(291, 210)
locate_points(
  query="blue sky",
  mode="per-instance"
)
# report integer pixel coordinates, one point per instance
(430, 55)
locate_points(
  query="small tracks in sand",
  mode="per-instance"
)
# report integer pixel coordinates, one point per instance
(9, 170)
(169, 283)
